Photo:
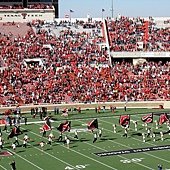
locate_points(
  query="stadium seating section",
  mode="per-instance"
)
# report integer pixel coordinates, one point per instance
(125, 33)
(75, 68)
(32, 6)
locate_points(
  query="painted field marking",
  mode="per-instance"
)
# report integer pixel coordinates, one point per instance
(83, 155)
(77, 166)
(79, 130)
(3, 167)
(45, 153)
(118, 155)
(137, 140)
(25, 159)
(104, 150)
(128, 161)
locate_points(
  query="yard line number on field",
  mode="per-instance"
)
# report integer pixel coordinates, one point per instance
(133, 160)
(77, 167)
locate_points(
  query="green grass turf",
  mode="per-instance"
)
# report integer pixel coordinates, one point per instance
(81, 153)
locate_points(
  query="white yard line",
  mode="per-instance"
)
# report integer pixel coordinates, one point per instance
(119, 155)
(83, 155)
(137, 140)
(55, 158)
(48, 155)
(3, 167)
(25, 159)
(94, 160)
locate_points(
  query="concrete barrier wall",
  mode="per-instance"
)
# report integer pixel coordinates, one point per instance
(142, 104)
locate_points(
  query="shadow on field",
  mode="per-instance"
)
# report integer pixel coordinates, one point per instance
(31, 141)
(53, 118)
(105, 136)
(74, 146)
(84, 140)
(48, 149)
(20, 151)
(137, 134)
(8, 147)
(57, 141)
(26, 130)
(105, 139)
(119, 131)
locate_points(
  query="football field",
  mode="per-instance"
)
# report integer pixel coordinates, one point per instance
(111, 151)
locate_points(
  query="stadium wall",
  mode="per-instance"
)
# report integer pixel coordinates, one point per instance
(139, 104)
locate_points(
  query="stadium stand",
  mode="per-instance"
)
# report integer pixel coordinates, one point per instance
(40, 6)
(15, 6)
(126, 34)
(65, 62)
(30, 6)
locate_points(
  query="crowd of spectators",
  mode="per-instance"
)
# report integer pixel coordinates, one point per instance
(159, 40)
(125, 34)
(167, 21)
(29, 6)
(39, 6)
(15, 6)
(72, 71)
